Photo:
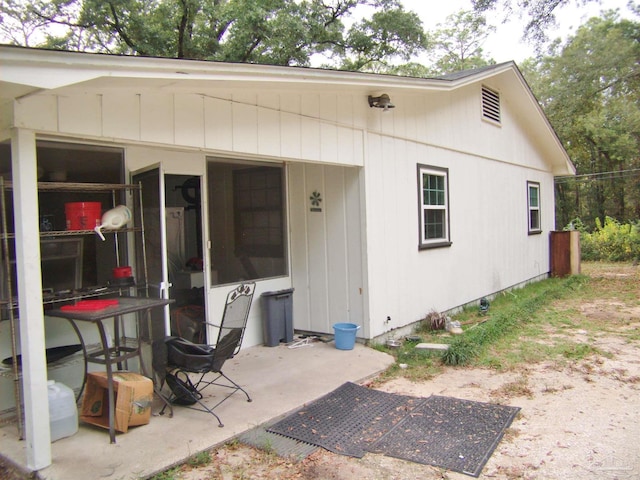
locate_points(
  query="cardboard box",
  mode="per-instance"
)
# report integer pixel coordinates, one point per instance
(133, 397)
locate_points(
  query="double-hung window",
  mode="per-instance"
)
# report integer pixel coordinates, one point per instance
(433, 198)
(533, 201)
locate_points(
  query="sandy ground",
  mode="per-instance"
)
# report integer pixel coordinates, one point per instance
(579, 419)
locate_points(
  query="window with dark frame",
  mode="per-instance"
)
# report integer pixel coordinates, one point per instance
(433, 198)
(533, 200)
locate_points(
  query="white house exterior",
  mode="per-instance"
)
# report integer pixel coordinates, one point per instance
(353, 214)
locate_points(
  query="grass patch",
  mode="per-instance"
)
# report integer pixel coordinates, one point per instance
(515, 330)
(420, 364)
(579, 351)
(509, 317)
(199, 459)
(171, 474)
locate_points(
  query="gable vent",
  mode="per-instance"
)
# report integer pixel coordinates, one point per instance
(490, 104)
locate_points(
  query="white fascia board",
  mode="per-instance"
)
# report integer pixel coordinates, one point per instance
(49, 69)
(52, 69)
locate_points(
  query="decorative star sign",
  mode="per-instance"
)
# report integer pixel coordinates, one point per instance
(316, 199)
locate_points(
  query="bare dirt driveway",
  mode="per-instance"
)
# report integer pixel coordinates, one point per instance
(579, 418)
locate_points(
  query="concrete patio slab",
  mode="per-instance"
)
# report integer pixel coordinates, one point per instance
(279, 380)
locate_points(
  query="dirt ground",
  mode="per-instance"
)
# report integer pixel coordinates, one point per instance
(578, 420)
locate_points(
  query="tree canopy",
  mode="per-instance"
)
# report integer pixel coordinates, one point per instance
(457, 44)
(281, 32)
(327, 33)
(590, 90)
(540, 14)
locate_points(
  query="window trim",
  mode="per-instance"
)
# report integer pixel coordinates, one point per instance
(436, 242)
(530, 209)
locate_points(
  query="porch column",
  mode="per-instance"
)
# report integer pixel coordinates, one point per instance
(29, 283)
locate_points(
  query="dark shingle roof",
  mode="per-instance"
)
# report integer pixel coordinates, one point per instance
(467, 73)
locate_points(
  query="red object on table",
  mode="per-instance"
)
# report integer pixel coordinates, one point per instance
(122, 272)
(90, 305)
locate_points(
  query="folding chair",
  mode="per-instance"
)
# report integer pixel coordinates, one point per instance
(185, 357)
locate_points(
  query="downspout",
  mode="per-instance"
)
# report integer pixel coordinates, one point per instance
(29, 283)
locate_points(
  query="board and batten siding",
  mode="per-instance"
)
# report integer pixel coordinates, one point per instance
(491, 248)
(489, 167)
(310, 127)
(357, 260)
(326, 247)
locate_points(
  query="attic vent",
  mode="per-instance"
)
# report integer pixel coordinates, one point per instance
(490, 104)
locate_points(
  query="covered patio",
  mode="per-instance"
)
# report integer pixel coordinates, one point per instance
(279, 380)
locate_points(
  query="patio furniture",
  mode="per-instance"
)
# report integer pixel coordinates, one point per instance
(106, 354)
(185, 358)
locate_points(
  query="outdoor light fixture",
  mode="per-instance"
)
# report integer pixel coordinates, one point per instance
(383, 101)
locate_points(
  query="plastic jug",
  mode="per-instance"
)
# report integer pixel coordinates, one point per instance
(63, 411)
(113, 219)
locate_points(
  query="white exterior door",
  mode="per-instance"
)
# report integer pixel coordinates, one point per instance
(155, 240)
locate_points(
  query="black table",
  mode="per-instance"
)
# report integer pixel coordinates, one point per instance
(109, 355)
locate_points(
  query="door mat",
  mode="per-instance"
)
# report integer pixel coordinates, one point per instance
(459, 435)
(348, 420)
(285, 447)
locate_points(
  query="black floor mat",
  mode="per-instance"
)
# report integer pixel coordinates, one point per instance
(286, 447)
(458, 435)
(348, 420)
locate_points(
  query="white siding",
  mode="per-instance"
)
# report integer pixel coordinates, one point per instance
(306, 127)
(326, 253)
(80, 114)
(218, 130)
(157, 118)
(491, 247)
(189, 115)
(121, 116)
(345, 265)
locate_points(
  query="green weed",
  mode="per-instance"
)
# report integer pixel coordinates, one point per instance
(578, 351)
(171, 474)
(199, 459)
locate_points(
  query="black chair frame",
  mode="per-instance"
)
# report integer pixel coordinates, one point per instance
(185, 358)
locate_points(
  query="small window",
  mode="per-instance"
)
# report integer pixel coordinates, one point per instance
(490, 104)
(433, 198)
(533, 196)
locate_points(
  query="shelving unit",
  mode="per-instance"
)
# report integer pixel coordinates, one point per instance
(9, 303)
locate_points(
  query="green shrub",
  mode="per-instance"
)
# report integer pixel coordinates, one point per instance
(613, 242)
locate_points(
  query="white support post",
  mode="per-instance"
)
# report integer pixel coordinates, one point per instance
(29, 282)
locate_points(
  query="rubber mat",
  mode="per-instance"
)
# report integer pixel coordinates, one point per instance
(458, 435)
(348, 420)
(289, 448)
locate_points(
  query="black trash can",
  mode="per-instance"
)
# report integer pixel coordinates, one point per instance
(277, 319)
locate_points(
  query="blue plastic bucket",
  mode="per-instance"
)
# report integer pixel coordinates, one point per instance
(345, 335)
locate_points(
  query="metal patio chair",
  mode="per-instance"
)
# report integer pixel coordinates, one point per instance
(186, 360)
